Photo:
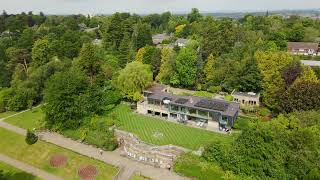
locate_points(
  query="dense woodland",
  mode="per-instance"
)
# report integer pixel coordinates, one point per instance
(52, 60)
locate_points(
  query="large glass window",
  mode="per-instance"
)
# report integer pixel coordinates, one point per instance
(183, 109)
(192, 111)
(203, 113)
(174, 108)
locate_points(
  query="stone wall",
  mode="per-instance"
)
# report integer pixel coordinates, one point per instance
(158, 156)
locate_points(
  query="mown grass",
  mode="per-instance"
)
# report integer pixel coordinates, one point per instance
(6, 114)
(39, 154)
(28, 119)
(11, 173)
(146, 127)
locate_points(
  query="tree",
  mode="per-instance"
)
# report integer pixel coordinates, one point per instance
(194, 15)
(64, 97)
(141, 35)
(150, 55)
(88, 61)
(18, 57)
(209, 68)
(302, 95)
(167, 65)
(291, 72)
(124, 50)
(271, 65)
(133, 79)
(41, 52)
(140, 54)
(186, 68)
(307, 75)
(31, 137)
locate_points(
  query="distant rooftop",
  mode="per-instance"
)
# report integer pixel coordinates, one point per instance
(311, 63)
(302, 45)
(246, 94)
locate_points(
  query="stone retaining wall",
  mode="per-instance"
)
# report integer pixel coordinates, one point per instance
(158, 156)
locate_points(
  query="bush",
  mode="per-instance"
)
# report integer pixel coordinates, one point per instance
(194, 166)
(214, 89)
(228, 98)
(31, 138)
(264, 112)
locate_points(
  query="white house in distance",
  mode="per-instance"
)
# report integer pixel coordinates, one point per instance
(310, 63)
(304, 48)
(158, 38)
(181, 42)
(246, 98)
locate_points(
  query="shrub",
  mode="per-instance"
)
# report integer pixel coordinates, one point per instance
(31, 137)
(194, 166)
(228, 98)
(214, 89)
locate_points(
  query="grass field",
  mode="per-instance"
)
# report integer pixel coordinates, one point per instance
(6, 114)
(11, 173)
(27, 120)
(39, 154)
(147, 127)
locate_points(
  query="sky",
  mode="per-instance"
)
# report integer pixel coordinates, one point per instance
(150, 6)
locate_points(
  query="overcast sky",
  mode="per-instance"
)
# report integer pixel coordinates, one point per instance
(150, 6)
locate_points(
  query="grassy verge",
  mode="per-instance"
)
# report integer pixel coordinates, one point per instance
(11, 173)
(27, 120)
(139, 177)
(148, 129)
(39, 154)
(6, 114)
(195, 167)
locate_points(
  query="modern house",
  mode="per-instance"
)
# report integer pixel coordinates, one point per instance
(310, 63)
(158, 38)
(246, 98)
(304, 48)
(181, 42)
(211, 114)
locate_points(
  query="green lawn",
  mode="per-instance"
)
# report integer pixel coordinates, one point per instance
(6, 114)
(146, 127)
(27, 120)
(39, 154)
(139, 177)
(11, 173)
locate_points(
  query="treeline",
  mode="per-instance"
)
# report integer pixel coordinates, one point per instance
(246, 54)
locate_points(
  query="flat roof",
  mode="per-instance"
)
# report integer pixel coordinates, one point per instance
(246, 94)
(310, 63)
(201, 103)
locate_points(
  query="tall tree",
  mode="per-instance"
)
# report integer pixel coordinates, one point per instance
(141, 35)
(271, 65)
(133, 79)
(124, 50)
(88, 61)
(41, 52)
(186, 68)
(194, 15)
(167, 65)
(209, 68)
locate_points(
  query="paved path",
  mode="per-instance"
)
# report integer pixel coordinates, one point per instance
(27, 168)
(114, 158)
